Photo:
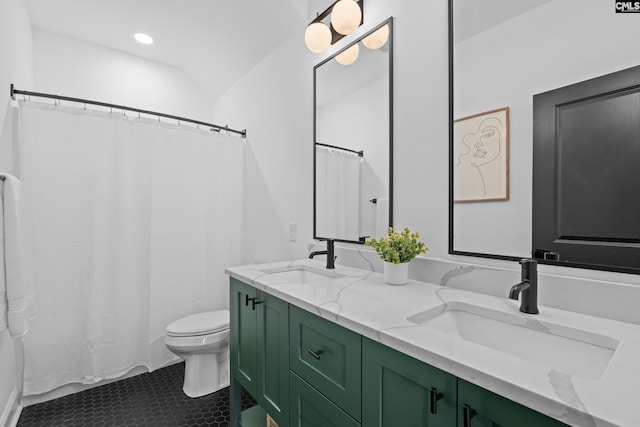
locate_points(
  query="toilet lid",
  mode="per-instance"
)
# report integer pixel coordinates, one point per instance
(200, 324)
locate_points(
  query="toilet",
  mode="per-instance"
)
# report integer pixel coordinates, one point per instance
(202, 340)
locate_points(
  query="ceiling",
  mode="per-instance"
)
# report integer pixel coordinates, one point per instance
(215, 42)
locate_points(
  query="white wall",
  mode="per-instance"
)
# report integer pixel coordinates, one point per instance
(71, 67)
(16, 67)
(275, 103)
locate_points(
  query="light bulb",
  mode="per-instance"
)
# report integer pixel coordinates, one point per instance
(346, 16)
(377, 39)
(317, 37)
(143, 38)
(349, 56)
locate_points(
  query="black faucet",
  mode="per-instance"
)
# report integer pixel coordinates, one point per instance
(329, 253)
(528, 287)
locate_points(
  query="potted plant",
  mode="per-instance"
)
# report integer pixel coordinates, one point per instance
(396, 250)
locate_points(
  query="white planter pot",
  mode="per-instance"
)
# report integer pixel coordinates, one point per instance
(396, 274)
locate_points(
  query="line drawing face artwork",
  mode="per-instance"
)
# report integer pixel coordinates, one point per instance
(481, 157)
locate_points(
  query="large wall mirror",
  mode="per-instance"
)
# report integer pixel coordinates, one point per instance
(353, 139)
(502, 53)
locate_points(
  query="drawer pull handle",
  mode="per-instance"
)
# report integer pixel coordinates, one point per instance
(434, 396)
(467, 414)
(315, 354)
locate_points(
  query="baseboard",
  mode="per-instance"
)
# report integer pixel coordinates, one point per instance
(11, 412)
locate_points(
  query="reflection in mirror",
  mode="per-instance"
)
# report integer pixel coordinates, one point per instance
(503, 53)
(353, 140)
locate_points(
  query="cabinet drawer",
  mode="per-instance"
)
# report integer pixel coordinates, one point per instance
(328, 357)
(309, 408)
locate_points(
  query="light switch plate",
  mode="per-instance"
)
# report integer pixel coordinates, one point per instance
(293, 232)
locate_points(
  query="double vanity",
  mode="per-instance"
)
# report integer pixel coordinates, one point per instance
(341, 347)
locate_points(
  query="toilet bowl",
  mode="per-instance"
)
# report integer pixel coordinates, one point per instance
(202, 340)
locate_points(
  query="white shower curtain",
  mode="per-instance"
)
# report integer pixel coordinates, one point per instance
(134, 223)
(337, 194)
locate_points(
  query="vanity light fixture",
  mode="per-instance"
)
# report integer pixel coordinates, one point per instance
(377, 39)
(349, 56)
(143, 38)
(317, 37)
(345, 16)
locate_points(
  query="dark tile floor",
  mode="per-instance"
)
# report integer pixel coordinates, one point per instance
(154, 399)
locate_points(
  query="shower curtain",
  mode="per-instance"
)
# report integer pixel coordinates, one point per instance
(134, 223)
(337, 193)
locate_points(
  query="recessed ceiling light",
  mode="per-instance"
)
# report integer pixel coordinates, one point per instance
(143, 38)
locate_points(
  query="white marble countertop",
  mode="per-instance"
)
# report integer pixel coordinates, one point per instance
(361, 301)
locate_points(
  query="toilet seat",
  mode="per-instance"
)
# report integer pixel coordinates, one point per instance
(199, 324)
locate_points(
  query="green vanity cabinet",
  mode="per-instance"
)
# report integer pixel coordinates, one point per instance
(306, 371)
(478, 407)
(260, 349)
(328, 357)
(398, 390)
(309, 408)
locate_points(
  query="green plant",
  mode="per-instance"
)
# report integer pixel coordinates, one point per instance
(398, 247)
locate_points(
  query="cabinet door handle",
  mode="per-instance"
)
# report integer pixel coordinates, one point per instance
(255, 302)
(434, 396)
(315, 354)
(467, 414)
(247, 299)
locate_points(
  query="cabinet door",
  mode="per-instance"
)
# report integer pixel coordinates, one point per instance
(328, 357)
(309, 408)
(273, 357)
(478, 407)
(243, 346)
(398, 390)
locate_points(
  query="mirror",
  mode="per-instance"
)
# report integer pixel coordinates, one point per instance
(353, 140)
(502, 53)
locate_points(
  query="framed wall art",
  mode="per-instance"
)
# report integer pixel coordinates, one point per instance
(481, 157)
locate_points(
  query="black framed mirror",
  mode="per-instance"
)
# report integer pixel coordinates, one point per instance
(502, 54)
(353, 139)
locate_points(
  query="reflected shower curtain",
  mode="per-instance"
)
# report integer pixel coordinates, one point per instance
(337, 194)
(134, 223)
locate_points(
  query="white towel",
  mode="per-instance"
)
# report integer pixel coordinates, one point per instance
(16, 274)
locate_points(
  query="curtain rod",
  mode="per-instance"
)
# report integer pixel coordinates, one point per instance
(359, 153)
(215, 128)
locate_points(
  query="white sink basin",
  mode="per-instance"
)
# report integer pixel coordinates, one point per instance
(572, 351)
(300, 274)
